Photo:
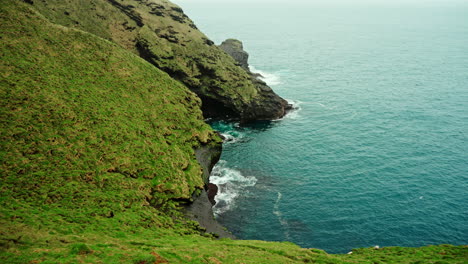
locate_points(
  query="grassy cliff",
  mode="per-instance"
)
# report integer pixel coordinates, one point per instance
(162, 34)
(97, 149)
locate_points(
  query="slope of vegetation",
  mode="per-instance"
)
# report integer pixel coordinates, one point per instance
(97, 151)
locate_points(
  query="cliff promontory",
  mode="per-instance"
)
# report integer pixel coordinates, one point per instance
(163, 35)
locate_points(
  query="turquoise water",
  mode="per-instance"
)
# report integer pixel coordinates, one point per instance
(376, 152)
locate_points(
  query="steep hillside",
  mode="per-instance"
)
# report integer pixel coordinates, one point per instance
(97, 150)
(162, 34)
(92, 136)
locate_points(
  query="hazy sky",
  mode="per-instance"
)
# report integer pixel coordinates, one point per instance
(324, 2)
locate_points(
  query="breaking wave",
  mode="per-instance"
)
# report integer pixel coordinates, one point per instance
(232, 136)
(231, 183)
(269, 78)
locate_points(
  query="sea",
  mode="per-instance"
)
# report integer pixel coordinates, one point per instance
(375, 151)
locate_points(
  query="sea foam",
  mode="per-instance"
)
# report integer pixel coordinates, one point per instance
(269, 78)
(294, 112)
(230, 184)
(232, 136)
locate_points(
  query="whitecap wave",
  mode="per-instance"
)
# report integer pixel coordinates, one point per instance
(232, 136)
(294, 112)
(271, 79)
(231, 183)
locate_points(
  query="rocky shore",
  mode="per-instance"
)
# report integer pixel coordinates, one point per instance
(200, 209)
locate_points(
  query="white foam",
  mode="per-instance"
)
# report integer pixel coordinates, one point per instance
(277, 212)
(231, 183)
(294, 112)
(232, 136)
(269, 78)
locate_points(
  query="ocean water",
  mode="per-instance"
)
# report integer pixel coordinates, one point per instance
(376, 152)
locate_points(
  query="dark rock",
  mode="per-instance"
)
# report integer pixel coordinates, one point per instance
(157, 13)
(128, 10)
(212, 192)
(200, 209)
(223, 84)
(257, 75)
(177, 9)
(208, 42)
(235, 49)
(268, 105)
(208, 156)
(177, 18)
(192, 25)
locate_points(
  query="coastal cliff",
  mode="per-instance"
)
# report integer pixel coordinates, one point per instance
(100, 150)
(159, 32)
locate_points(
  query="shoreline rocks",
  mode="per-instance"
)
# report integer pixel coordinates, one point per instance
(201, 207)
(235, 49)
(268, 103)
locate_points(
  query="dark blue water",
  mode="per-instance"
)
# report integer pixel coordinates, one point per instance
(377, 152)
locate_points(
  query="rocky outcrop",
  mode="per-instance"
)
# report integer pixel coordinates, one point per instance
(212, 192)
(235, 49)
(159, 32)
(200, 208)
(263, 108)
(208, 156)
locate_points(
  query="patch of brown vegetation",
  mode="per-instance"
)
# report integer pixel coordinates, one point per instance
(159, 259)
(122, 35)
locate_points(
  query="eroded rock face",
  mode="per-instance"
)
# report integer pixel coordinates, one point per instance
(200, 209)
(212, 192)
(235, 48)
(268, 103)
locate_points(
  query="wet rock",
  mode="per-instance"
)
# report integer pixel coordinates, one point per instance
(212, 192)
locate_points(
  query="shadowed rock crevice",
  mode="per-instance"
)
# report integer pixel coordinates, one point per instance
(128, 10)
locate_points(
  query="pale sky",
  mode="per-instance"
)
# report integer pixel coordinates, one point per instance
(324, 2)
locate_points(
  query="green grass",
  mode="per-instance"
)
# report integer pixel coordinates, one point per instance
(91, 135)
(96, 147)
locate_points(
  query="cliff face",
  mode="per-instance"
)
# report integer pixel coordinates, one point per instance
(162, 34)
(235, 49)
